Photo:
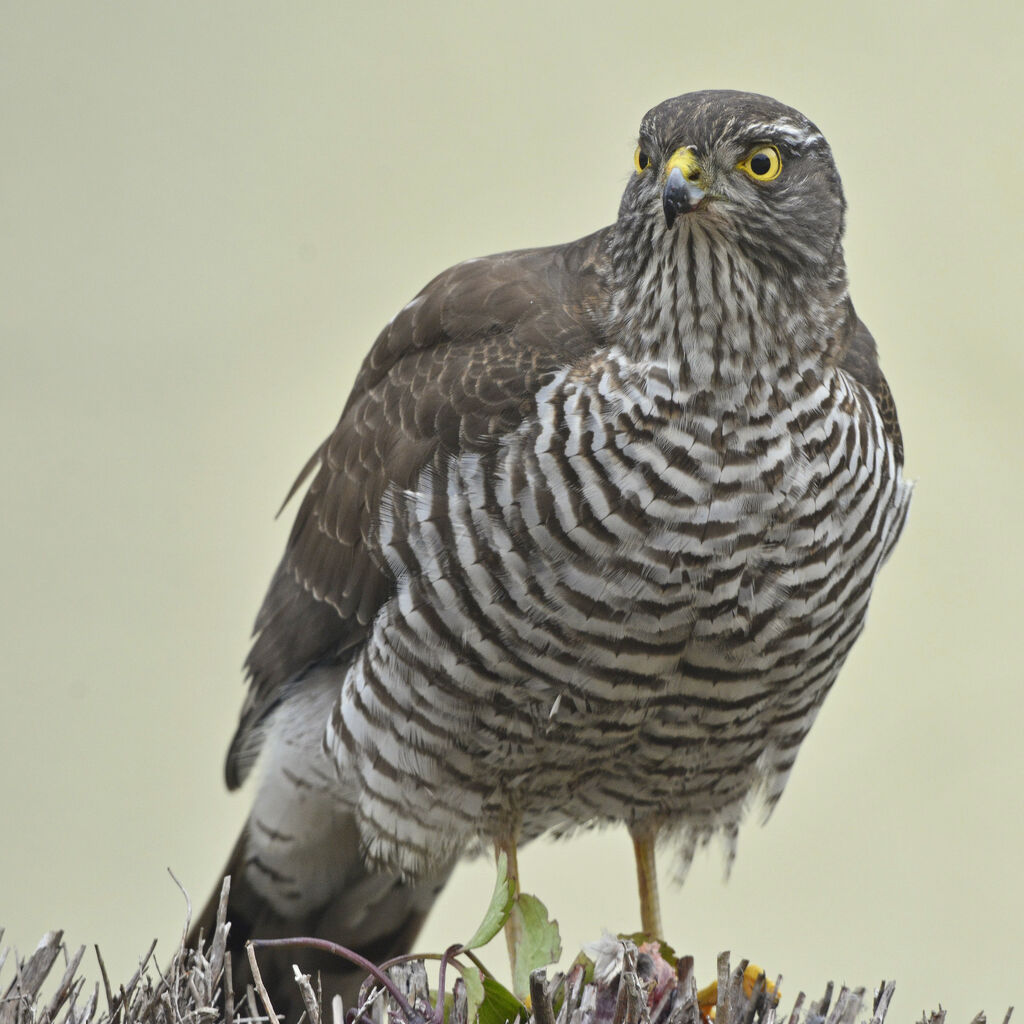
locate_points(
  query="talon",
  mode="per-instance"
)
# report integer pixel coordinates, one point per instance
(707, 997)
(750, 979)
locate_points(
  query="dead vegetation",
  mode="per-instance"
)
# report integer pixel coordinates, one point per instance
(196, 988)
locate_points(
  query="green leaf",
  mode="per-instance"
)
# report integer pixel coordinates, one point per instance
(502, 900)
(474, 990)
(668, 954)
(539, 943)
(499, 1006)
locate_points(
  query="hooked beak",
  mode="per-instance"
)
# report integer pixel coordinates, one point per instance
(681, 193)
(680, 196)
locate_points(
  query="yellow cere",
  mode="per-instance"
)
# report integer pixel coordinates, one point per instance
(641, 161)
(686, 160)
(763, 164)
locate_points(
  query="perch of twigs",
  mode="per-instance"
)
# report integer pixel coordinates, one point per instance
(196, 988)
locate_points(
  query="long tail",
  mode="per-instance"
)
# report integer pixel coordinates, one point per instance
(377, 915)
(297, 870)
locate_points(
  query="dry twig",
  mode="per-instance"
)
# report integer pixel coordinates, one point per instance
(196, 988)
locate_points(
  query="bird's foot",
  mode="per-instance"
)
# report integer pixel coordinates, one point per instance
(707, 997)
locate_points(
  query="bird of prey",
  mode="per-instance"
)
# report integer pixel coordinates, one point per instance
(593, 536)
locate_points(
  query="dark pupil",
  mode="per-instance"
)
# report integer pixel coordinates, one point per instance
(643, 159)
(760, 163)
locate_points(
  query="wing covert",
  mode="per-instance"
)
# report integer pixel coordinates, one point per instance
(858, 356)
(455, 370)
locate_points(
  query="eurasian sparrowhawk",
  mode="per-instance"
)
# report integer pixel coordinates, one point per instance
(590, 542)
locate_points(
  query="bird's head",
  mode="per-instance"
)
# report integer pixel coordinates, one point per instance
(747, 167)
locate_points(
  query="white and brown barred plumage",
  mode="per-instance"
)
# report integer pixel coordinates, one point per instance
(591, 541)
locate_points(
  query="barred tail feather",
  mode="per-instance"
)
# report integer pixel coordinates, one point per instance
(377, 915)
(298, 867)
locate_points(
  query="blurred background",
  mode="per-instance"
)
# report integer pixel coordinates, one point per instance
(207, 212)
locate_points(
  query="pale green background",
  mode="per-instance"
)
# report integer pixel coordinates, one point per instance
(208, 211)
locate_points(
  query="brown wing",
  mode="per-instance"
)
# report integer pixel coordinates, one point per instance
(454, 371)
(858, 356)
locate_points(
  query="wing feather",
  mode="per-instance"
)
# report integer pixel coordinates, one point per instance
(454, 371)
(858, 356)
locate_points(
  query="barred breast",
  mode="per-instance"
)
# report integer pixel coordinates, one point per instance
(594, 533)
(632, 609)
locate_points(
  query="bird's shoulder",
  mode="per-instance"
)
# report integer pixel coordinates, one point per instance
(455, 370)
(857, 356)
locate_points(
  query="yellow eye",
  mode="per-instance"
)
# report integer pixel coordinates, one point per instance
(764, 164)
(641, 161)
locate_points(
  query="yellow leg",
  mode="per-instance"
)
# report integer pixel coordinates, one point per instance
(513, 931)
(647, 881)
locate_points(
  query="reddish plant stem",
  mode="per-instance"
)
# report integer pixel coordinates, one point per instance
(352, 956)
